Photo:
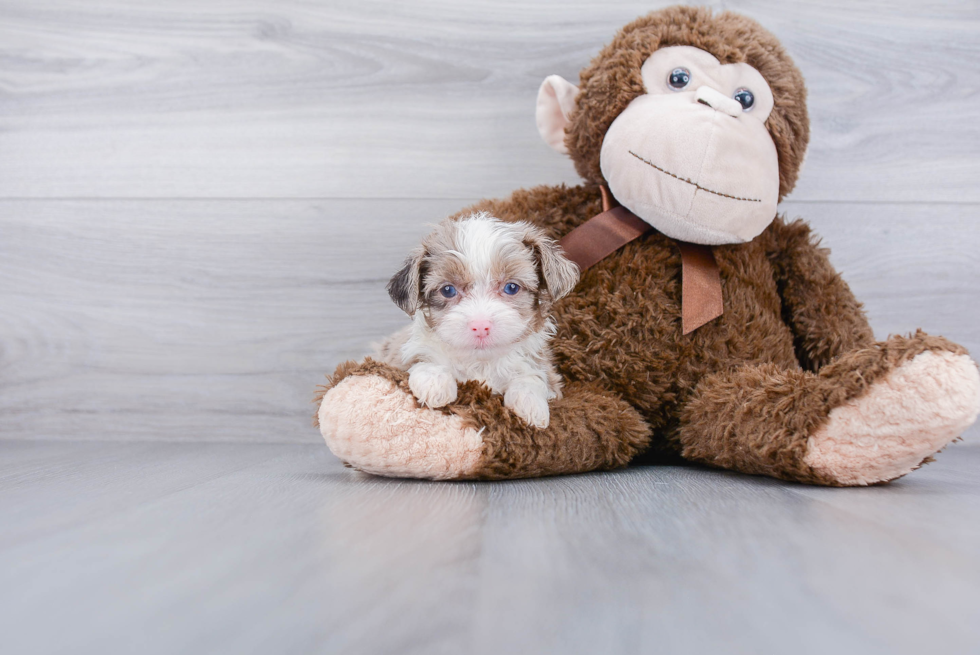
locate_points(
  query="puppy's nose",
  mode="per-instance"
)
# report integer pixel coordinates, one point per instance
(480, 327)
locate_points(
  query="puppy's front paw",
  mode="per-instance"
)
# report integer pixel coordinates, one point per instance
(432, 384)
(529, 403)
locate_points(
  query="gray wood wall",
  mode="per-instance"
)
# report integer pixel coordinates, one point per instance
(200, 203)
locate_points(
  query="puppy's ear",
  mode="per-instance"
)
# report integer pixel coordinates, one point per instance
(405, 286)
(560, 274)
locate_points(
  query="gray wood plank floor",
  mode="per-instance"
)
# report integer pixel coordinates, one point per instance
(200, 204)
(259, 548)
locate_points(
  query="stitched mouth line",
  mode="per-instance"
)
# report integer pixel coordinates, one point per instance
(692, 183)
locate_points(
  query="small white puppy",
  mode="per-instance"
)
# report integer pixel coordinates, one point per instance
(479, 290)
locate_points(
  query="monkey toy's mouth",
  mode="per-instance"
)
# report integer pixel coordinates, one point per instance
(691, 182)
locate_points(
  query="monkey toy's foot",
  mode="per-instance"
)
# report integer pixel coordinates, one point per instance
(902, 419)
(871, 415)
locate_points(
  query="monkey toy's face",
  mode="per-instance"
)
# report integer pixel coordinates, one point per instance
(692, 156)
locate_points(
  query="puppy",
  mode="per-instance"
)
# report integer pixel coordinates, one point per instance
(479, 291)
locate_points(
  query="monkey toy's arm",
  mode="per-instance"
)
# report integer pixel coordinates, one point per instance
(819, 307)
(370, 420)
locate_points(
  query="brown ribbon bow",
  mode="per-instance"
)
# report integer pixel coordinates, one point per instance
(605, 233)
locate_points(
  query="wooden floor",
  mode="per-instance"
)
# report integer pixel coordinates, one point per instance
(200, 204)
(276, 548)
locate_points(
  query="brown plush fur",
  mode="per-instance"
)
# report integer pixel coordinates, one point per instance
(744, 391)
(590, 430)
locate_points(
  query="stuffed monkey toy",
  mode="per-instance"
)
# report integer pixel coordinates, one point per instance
(705, 327)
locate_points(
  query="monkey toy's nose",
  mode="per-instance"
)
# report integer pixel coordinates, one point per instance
(718, 101)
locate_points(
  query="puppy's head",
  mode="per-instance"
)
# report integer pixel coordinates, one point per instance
(483, 284)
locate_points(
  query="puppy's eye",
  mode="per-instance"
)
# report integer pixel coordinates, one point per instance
(511, 288)
(745, 98)
(448, 291)
(679, 78)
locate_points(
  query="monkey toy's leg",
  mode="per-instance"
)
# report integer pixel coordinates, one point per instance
(872, 415)
(371, 421)
(855, 412)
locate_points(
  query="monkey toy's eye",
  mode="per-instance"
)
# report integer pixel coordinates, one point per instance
(448, 291)
(679, 78)
(745, 98)
(511, 288)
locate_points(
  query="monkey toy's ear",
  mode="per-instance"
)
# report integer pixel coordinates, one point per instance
(556, 100)
(405, 286)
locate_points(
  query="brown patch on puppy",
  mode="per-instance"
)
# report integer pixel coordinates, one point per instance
(404, 287)
(557, 274)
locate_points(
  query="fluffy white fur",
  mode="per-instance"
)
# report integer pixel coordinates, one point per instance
(482, 333)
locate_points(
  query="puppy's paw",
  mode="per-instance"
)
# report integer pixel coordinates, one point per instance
(530, 403)
(432, 384)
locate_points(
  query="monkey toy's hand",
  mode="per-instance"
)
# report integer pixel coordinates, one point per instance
(432, 384)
